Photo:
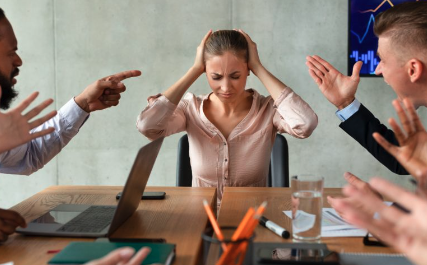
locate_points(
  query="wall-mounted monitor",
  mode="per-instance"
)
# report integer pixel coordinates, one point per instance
(362, 42)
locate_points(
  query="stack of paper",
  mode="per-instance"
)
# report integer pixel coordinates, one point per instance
(334, 226)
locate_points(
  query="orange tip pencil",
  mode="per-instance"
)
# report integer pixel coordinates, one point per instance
(249, 232)
(233, 250)
(243, 224)
(254, 222)
(214, 223)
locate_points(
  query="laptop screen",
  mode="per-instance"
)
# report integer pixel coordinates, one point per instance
(136, 183)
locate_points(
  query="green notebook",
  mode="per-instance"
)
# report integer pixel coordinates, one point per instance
(82, 252)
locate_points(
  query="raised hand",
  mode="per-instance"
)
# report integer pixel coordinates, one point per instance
(105, 92)
(9, 221)
(412, 149)
(122, 256)
(254, 61)
(406, 232)
(362, 186)
(339, 89)
(15, 126)
(199, 61)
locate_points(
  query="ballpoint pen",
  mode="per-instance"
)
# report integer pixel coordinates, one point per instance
(280, 231)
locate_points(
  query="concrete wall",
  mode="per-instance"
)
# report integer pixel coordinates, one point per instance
(66, 45)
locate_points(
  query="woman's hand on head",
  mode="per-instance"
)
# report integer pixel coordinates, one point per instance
(254, 62)
(199, 62)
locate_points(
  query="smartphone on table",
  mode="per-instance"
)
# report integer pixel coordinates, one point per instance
(148, 195)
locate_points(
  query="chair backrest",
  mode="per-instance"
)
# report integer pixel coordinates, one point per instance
(278, 175)
(279, 163)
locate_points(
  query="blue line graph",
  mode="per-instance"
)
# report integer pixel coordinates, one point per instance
(362, 42)
(371, 20)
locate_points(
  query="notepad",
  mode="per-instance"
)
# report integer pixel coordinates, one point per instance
(82, 252)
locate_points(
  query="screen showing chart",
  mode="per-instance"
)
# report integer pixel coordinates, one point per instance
(363, 43)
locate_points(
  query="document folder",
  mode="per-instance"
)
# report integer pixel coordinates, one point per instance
(82, 252)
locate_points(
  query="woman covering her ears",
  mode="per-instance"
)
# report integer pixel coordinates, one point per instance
(232, 129)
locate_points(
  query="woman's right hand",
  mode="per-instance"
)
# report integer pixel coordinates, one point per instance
(199, 63)
(177, 90)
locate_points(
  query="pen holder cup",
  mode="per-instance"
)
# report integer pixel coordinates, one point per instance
(227, 251)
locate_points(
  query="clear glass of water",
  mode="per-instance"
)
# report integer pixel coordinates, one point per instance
(307, 202)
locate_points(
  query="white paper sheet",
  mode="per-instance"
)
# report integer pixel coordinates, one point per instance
(334, 226)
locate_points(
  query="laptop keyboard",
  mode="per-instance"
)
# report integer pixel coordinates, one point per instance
(93, 220)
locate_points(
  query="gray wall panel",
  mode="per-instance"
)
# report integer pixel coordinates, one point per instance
(67, 45)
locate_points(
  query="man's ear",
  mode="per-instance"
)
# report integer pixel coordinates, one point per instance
(415, 70)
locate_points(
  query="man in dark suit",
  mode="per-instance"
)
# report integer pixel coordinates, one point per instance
(402, 47)
(403, 230)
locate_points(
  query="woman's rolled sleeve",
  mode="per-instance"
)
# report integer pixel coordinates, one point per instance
(161, 118)
(293, 115)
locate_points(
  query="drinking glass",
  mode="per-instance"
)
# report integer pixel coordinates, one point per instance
(307, 202)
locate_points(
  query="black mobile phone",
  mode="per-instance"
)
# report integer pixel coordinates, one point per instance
(138, 240)
(148, 195)
(297, 255)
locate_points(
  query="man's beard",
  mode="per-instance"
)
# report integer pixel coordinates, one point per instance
(8, 93)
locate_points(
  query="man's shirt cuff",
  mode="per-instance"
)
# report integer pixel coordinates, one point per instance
(348, 111)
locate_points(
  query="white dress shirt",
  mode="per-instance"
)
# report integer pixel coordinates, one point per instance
(30, 157)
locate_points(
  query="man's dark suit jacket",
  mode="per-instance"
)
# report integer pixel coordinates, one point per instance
(361, 125)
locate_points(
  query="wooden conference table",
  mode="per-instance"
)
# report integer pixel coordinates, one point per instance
(180, 219)
(236, 201)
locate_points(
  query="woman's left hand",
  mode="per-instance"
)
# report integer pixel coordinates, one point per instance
(254, 62)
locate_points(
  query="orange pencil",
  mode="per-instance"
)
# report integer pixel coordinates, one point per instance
(245, 230)
(230, 253)
(243, 224)
(214, 223)
(255, 221)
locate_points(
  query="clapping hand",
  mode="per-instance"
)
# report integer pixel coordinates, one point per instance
(406, 232)
(360, 185)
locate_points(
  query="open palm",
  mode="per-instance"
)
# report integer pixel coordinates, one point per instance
(15, 127)
(412, 149)
(339, 89)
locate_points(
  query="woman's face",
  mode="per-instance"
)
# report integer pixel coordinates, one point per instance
(227, 76)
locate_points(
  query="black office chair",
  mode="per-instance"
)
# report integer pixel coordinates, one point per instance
(278, 175)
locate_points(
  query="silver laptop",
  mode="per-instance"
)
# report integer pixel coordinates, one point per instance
(78, 220)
